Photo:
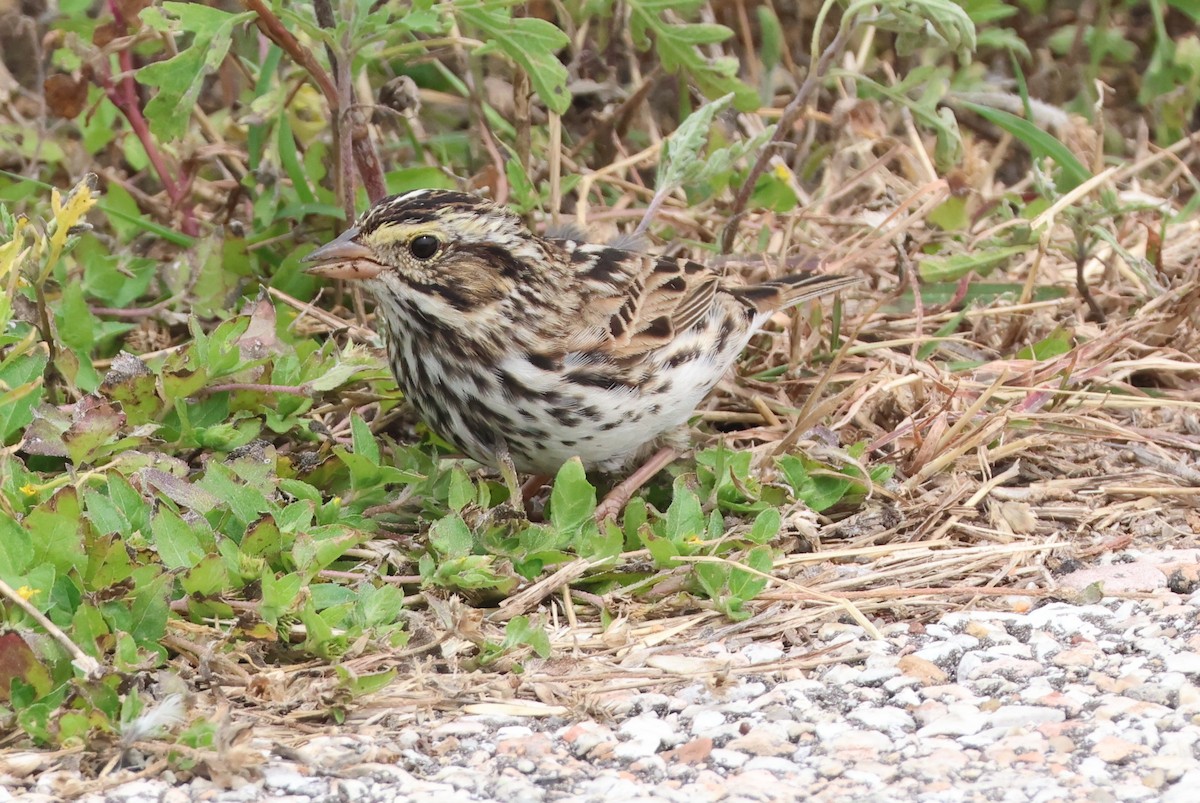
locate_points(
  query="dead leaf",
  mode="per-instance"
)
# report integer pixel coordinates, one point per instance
(66, 96)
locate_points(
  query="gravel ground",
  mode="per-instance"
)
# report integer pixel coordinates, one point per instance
(1066, 702)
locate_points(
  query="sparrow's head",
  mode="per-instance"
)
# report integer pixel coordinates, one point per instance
(447, 247)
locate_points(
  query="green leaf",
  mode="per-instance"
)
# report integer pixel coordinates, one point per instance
(1055, 344)
(279, 594)
(246, 503)
(362, 441)
(366, 473)
(179, 79)
(316, 549)
(685, 519)
(462, 491)
(20, 383)
(1040, 143)
(530, 42)
(358, 685)
(918, 23)
(134, 387)
(109, 561)
(573, 498)
(319, 637)
(178, 544)
(677, 45)
(816, 485)
(263, 539)
(766, 525)
(955, 266)
(59, 532)
(380, 605)
(451, 537)
(16, 549)
(744, 585)
(518, 632)
(18, 662)
(149, 609)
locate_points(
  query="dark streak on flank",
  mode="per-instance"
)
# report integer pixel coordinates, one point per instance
(593, 379)
(685, 356)
(543, 361)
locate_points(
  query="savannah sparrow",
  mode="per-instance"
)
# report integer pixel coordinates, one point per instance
(527, 351)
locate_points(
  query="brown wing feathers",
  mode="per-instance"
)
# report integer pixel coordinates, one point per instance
(787, 291)
(642, 301)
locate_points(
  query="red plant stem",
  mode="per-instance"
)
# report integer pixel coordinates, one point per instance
(125, 98)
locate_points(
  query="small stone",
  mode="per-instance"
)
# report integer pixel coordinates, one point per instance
(883, 718)
(706, 721)
(459, 728)
(1187, 663)
(1183, 790)
(773, 764)
(842, 675)
(584, 736)
(696, 751)
(877, 676)
(651, 766)
(1010, 716)
(729, 759)
(857, 746)
(942, 654)
(959, 719)
(759, 653)
(638, 747)
(1114, 750)
(830, 768)
(286, 779)
(923, 669)
(762, 742)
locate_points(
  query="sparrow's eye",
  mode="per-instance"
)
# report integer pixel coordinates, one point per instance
(423, 246)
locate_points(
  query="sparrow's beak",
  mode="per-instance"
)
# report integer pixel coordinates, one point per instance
(344, 258)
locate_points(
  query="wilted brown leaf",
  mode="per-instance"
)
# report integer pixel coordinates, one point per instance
(66, 96)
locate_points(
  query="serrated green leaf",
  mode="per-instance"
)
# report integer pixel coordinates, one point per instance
(21, 381)
(279, 594)
(744, 585)
(180, 78)
(178, 544)
(531, 42)
(676, 43)
(573, 498)
(380, 605)
(451, 537)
